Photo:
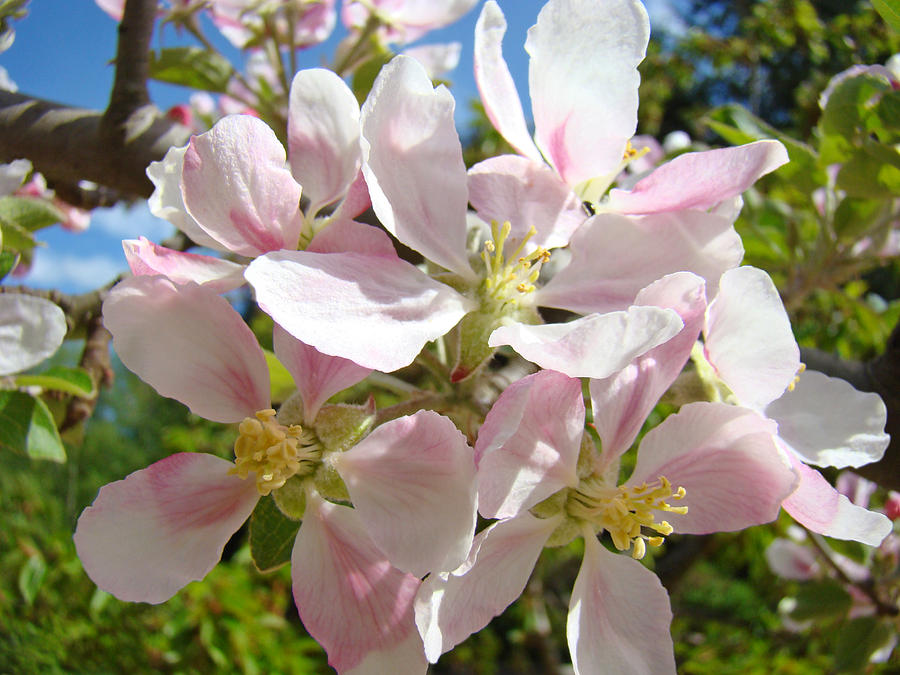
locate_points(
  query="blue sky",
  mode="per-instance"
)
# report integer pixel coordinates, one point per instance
(62, 52)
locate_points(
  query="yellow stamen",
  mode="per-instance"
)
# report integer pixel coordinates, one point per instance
(505, 281)
(624, 510)
(796, 379)
(272, 451)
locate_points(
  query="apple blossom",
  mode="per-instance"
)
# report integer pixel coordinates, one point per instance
(31, 330)
(355, 571)
(749, 356)
(403, 21)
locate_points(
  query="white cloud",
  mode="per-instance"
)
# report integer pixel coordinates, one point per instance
(72, 273)
(130, 222)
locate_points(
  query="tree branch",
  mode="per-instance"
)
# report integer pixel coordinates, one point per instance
(112, 148)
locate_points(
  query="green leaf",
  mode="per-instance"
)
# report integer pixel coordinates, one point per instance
(8, 262)
(15, 237)
(821, 600)
(851, 102)
(280, 380)
(75, 381)
(890, 12)
(872, 172)
(29, 213)
(853, 216)
(857, 640)
(26, 426)
(31, 576)
(192, 67)
(272, 535)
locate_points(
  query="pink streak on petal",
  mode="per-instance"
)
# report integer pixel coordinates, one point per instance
(622, 402)
(819, 507)
(160, 528)
(584, 83)
(188, 344)
(376, 311)
(527, 194)
(412, 482)
(451, 607)
(317, 375)
(619, 616)
(700, 180)
(528, 446)
(614, 257)
(726, 459)
(495, 84)
(349, 596)
(348, 236)
(147, 259)
(236, 186)
(412, 161)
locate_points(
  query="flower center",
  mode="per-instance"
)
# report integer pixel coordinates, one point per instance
(624, 510)
(509, 277)
(272, 451)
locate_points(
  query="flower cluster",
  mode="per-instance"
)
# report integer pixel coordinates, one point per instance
(388, 571)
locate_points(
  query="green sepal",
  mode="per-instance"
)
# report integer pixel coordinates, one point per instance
(290, 498)
(819, 600)
(27, 427)
(75, 381)
(340, 426)
(272, 535)
(191, 67)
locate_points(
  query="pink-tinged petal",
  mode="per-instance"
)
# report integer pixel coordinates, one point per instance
(236, 186)
(748, 338)
(348, 236)
(31, 329)
(349, 596)
(622, 402)
(527, 194)
(592, 346)
(584, 83)
(412, 161)
(188, 344)
(412, 482)
(376, 311)
(317, 375)
(323, 136)
(160, 528)
(451, 607)
(619, 616)
(819, 507)
(726, 459)
(700, 180)
(614, 257)
(495, 83)
(356, 200)
(166, 201)
(406, 657)
(791, 560)
(148, 259)
(829, 423)
(528, 446)
(855, 488)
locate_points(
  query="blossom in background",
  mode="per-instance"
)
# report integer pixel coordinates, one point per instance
(355, 571)
(403, 21)
(297, 23)
(822, 421)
